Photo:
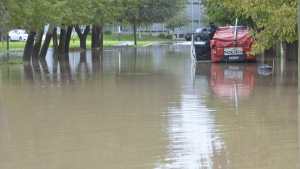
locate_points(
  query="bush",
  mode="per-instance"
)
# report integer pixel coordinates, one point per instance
(162, 36)
(169, 36)
(107, 32)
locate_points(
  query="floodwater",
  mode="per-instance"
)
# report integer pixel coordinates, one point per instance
(149, 108)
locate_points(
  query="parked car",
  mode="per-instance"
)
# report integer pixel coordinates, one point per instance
(201, 43)
(18, 35)
(188, 36)
(232, 44)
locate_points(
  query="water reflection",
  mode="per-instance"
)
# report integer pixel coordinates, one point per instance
(262, 119)
(193, 141)
(142, 108)
(233, 81)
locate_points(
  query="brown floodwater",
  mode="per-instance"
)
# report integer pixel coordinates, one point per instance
(150, 108)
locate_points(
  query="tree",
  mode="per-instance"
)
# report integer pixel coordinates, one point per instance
(103, 11)
(4, 18)
(271, 20)
(177, 21)
(143, 12)
(217, 12)
(31, 15)
(79, 15)
(82, 34)
(275, 20)
(85, 16)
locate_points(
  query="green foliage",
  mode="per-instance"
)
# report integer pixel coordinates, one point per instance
(108, 32)
(34, 14)
(165, 36)
(162, 35)
(217, 12)
(28, 14)
(143, 12)
(220, 13)
(271, 20)
(177, 21)
(4, 17)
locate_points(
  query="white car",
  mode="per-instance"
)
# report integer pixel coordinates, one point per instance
(18, 35)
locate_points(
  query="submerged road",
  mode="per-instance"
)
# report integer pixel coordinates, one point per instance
(149, 108)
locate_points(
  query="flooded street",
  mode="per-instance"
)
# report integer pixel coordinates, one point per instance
(149, 108)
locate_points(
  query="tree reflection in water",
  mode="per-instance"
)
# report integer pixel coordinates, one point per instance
(59, 67)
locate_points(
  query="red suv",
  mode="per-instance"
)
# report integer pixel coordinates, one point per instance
(232, 44)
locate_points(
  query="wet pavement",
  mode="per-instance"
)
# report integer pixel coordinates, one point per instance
(149, 108)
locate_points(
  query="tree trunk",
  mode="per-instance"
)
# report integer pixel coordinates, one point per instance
(44, 66)
(29, 46)
(55, 40)
(101, 38)
(134, 34)
(96, 32)
(62, 40)
(46, 44)
(37, 44)
(36, 67)
(68, 38)
(55, 63)
(83, 66)
(82, 36)
(97, 60)
(28, 72)
(65, 69)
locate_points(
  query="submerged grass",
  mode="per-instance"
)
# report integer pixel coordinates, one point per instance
(109, 41)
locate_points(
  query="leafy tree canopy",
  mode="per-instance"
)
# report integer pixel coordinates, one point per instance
(177, 21)
(270, 20)
(150, 11)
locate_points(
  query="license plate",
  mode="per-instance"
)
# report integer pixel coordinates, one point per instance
(233, 52)
(233, 57)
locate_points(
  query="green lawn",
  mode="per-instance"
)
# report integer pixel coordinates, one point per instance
(116, 37)
(109, 40)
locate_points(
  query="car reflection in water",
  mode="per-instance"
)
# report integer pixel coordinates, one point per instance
(226, 79)
(233, 81)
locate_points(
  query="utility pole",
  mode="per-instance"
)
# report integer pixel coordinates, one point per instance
(200, 13)
(192, 16)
